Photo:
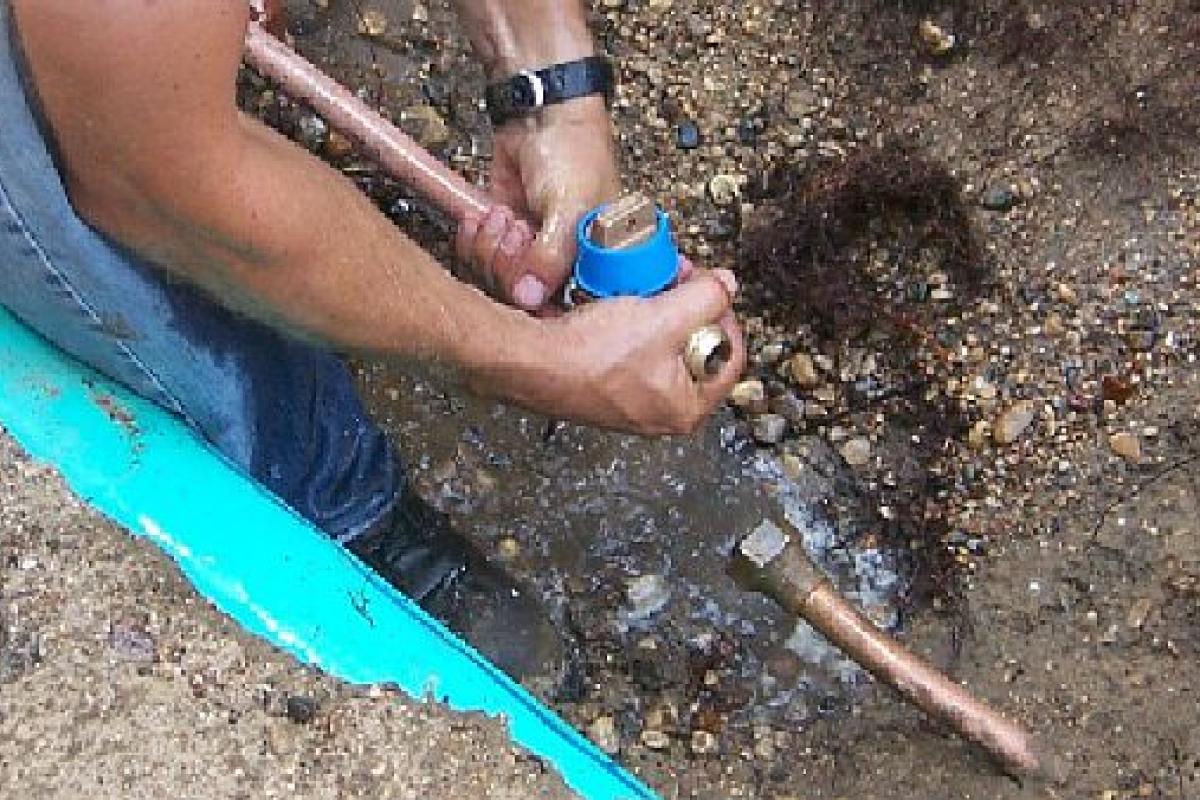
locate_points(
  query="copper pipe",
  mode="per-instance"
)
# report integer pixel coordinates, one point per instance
(774, 563)
(382, 141)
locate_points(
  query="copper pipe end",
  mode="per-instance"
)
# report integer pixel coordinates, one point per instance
(773, 562)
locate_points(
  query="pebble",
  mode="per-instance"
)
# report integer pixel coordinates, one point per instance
(655, 739)
(1013, 422)
(300, 709)
(803, 371)
(704, 743)
(790, 407)
(999, 197)
(1127, 446)
(688, 136)
(856, 452)
(372, 22)
(338, 146)
(603, 733)
(312, 132)
(749, 396)
(936, 40)
(724, 190)
(430, 128)
(770, 428)
(647, 595)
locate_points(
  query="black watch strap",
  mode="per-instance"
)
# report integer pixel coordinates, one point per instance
(526, 92)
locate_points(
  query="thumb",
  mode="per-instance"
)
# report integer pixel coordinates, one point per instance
(553, 250)
(703, 300)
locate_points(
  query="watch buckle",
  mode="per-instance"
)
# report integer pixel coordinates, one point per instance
(537, 87)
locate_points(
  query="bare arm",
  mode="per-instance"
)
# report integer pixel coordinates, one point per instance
(141, 99)
(158, 155)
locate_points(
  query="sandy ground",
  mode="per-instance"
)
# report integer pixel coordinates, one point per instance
(118, 681)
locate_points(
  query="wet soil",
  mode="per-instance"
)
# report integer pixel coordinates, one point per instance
(1013, 223)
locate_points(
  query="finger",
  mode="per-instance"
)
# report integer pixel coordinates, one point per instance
(464, 242)
(510, 269)
(728, 280)
(553, 252)
(687, 269)
(487, 244)
(690, 306)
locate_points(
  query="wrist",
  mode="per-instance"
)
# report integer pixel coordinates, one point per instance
(516, 356)
(590, 112)
(507, 51)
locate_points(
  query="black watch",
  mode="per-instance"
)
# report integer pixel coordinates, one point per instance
(528, 91)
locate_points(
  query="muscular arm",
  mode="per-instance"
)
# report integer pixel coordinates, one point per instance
(141, 99)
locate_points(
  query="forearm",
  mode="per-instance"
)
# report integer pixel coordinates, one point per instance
(512, 35)
(275, 234)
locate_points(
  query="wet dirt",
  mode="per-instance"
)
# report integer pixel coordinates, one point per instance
(1057, 142)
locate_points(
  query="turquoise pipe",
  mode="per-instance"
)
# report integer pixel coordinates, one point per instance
(258, 561)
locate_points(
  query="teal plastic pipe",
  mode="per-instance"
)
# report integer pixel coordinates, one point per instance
(258, 561)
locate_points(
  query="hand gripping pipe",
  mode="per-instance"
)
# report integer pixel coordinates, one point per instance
(774, 563)
(396, 152)
(707, 349)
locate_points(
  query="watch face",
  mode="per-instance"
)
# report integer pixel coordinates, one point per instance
(522, 93)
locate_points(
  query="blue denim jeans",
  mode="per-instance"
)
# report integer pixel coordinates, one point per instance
(284, 411)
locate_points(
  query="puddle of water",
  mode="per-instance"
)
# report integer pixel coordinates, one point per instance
(633, 535)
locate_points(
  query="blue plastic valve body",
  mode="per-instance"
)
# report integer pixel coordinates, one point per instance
(643, 270)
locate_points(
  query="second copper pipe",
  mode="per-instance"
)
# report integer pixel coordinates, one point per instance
(773, 562)
(380, 140)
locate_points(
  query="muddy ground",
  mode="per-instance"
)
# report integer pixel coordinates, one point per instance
(970, 239)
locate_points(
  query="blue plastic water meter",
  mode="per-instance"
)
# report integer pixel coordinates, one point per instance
(642, 270)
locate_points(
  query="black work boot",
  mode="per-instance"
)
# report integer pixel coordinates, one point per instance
(422, 556)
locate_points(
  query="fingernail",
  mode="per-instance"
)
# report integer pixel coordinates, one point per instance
(513, 242)
(529, 292)
(728, 280)
(495, 223)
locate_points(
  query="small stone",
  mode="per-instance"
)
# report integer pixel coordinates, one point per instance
(978, 437)
(131, 642)
(1138, 613)
(771, 353)
(704, 743)
(1127, 446)
(793, 466)
(856, 452)
(688, 136)
(803, 371)
(300, 709)
(338, 146)
(935, 39)
(311, 131)
(508, 548)
(1066, 294)
(647, 595)
(1013, 422)
(655, 740)
(430, 128)
(788, 406)
(603, 733)
(769, 429)
(998, 197)
(749, 396)
(372, 22)
(724, 190)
